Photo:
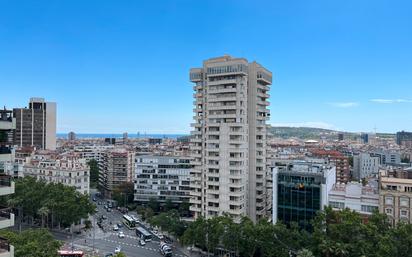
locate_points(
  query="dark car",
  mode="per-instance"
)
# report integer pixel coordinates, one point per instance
(120, 225)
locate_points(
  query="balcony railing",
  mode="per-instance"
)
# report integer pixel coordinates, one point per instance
(5, 213)
(5, 180)
(4, 245)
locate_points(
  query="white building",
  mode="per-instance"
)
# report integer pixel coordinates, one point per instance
(92, 152)
(365, 166)
(228, 144)
(7, 187)
(355, 196)
(162, 178)
(66, 169)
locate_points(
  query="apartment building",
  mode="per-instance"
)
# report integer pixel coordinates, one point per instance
(7, 125)
(68, 169)
(336, 158)
(300, 190)
(228, 144)
(365, 166)
(115, 168)
(404, 138)
(92, 151)
(395, 194)
(162, 178)
(355, 196)
(36, 125)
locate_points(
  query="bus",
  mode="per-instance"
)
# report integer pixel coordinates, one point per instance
(143, 234)
(129, 222)
(65, 253)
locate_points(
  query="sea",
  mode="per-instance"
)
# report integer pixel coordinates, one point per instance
(141, 135)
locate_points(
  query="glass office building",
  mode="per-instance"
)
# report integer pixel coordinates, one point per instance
(300, 191)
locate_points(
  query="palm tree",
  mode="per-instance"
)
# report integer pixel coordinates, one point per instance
(43, 212)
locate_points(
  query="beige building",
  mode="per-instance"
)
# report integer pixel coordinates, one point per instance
(67, 169)
(228, 144)
(395, 195)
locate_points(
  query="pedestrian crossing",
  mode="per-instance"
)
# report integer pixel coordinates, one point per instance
(136, 245)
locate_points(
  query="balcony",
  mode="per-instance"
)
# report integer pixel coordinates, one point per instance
(6, 249)
(6, 185)
(6, 217)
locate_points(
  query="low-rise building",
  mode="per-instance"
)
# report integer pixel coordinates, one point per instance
(395, 194)
(355, 196)
(162, 178)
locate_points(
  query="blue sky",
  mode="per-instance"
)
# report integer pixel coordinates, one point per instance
(115, 66)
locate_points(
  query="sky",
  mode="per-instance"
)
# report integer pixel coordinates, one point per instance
(116, 66)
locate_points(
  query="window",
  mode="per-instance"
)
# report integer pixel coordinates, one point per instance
(337, 205)
(389, 200)
(404, 213)
(388, 211)
(368, 208)
(404, 201)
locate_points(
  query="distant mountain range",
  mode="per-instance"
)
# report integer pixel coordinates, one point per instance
(316, 133)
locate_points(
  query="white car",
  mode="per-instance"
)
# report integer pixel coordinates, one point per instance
(117, 250)
(115, 228)
(121, 234)
(142, 242)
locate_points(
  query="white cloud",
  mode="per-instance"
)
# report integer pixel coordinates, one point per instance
(344, 104)
(390, 101)
(310, 124)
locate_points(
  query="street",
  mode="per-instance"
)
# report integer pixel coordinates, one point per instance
(104, 240)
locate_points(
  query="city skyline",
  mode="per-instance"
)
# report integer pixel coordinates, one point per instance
(124, 67)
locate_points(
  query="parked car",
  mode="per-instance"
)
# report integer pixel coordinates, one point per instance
(117, 250)
(104, 217)
(108, 255)
(108, 209)
(94, 199)
(142, 242)
(121, 234)
(115, 228)
(120, 225)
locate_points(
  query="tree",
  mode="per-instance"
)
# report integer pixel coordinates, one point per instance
(184, 210)
(120, 255)
(50, 203)
(305, 253)
(94, 173)
(168, 205)
(123, 193)
(154, 205)
(32, 243)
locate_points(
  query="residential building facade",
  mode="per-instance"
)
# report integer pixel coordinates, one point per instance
(365, 166)
(116, 168)
(68, 169)
(162, 178)
(395, 194)
(355, 196)
(7, 187)
(228, 144)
